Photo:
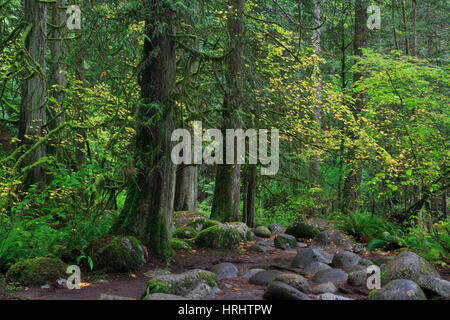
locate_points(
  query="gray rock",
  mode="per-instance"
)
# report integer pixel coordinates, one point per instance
(324, 288)
(284, 241)
(281, 291)
(277, 228)
(193, 284)
(330, 296)
(357, 278)
(314, 267)
(345, 259)
(264, 277)
(365, 263)
(258, 248)
(301, 245)
(250, 273)
(332, 238)
(407, 265)
(225, 270)
(306, 256)
(399, 289)
(262, 232)
(330, 275)
(164, 296)
(321, 224)
(434, 286)
(113, 297)
(227, 285)
(294, 280)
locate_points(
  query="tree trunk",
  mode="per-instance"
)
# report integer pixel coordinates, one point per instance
(414, 17)
(186, 189)
(250, 197)
(225, 205)
(57, 65)
(353, 178)
(315, 166)
(148, 209)
(32, 107)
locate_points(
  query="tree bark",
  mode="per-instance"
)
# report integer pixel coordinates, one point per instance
(226, 198)
(250, 196)
(57, 65)
(315, 166)
(32, 107)
(148, 209)
(186, 189)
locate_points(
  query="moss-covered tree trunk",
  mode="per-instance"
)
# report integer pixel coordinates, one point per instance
(57, 66)
(225, 205)
(33, 101)
(249, 209)
(148, 210)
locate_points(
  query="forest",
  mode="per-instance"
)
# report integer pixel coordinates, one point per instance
(228, 150)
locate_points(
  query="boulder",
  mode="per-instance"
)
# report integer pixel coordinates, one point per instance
(330, 275)
(38, 271)
(225, 270)
(262, 232)
(184, 233)
(306, 256)
(250, 273)
(224, 236)
(302, 230)
(188, 218)
(330, 296)
(357, 278)
(163, 296)
(281, 291)
(433, 286)
(324, 288)
(276, 228)
(345, 259)
(193, 284)
(284, 241)
(399, 289)
(294, 280)
(407, 265)
(120, 254)
(113, 297)
(210, 223)
(264, 277)
(314, 267)
(180, 245)
(332, 239)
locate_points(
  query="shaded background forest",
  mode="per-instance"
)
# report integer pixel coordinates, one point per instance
(363, 118)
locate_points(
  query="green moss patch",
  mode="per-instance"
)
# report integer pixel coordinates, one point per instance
(38, 271)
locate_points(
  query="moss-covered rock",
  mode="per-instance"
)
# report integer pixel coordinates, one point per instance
(180, 245)
(38, 271)
(184, 233)
(262, 232)
(210, 223)
(117, 254)
(284, 241)
(193, 284)
(399, 289)
(224, 236)
(407, 265)
(303, 230)
(188, 219)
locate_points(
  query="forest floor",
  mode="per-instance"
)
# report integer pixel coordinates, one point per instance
(238, 288)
